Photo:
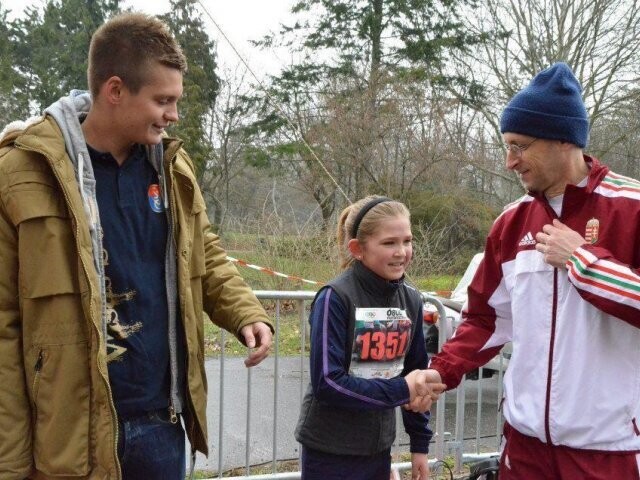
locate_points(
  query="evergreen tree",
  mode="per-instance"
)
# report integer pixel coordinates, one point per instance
(14, 101)
(200, 81)
(51, 46)
(373, 37)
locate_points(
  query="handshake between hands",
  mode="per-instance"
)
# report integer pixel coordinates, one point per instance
(425, 386)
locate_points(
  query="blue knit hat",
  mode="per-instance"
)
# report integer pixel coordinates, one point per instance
(550, 107)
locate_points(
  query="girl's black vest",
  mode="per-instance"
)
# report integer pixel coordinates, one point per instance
(348, 431)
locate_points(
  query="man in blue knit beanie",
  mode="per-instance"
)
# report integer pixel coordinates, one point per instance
(560, 280)
(549, 107)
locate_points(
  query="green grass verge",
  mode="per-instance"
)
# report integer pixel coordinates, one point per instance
(288, 339)
(293, 466)
(437, 283)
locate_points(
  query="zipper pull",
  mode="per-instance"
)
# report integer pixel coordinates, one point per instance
(38, 365)
(173, 418)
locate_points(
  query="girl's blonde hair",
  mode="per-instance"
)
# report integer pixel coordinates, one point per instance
(369, 222)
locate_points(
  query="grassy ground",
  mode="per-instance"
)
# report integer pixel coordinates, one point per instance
(439, 472)
(436, 283)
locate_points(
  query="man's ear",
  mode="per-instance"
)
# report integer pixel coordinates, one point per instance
(112, 90)
(355, 247)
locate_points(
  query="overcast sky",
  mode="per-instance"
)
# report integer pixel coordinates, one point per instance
(241, 21)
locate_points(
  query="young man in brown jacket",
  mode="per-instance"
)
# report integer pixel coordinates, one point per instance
(107, 262)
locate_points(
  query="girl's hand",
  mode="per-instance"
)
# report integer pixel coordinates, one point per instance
(419, 466)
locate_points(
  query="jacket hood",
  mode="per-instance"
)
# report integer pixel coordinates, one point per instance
(68, 112)
(11, 131)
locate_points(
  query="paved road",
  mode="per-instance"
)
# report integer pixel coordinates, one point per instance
(262, 416)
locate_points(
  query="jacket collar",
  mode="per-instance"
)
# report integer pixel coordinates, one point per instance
(373, 283)
(597, 171)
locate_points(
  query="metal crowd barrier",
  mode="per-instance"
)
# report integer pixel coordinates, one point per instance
(444, 444)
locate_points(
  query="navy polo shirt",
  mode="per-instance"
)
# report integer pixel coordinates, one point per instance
(134, 227)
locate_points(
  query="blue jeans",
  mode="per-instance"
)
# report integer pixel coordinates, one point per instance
(150, 446)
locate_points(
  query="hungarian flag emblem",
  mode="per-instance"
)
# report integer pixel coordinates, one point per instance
(591, 232)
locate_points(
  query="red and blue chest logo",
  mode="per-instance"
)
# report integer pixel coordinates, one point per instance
(155, 198)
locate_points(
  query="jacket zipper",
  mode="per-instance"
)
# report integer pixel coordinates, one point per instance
(554, 311)
(114, 418)
(191, 434)
(173, 358)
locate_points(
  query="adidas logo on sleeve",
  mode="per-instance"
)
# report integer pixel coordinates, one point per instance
(527, 240)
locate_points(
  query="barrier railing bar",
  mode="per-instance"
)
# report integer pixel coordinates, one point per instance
(303, 339)
(459, 441)
(499, 413)
(223, 337)
(275, 386)
(247, 442)
(440, 404)
(479, 410)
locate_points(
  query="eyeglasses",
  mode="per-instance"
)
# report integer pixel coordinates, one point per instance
(518, 149)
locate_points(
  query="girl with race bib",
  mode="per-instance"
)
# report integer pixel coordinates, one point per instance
(367, 348)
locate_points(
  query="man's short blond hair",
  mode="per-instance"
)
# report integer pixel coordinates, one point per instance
(126, 46)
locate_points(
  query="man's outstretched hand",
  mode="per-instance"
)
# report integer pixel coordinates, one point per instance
(425, 386)
(256, 336)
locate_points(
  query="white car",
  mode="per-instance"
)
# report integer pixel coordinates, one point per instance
(453, 307)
